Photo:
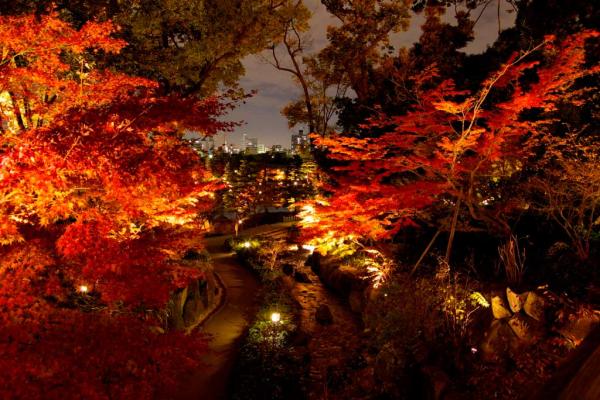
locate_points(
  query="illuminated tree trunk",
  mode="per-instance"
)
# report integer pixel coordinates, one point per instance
(452, 230)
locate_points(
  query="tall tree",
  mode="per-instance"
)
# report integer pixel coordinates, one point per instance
(99, 198)
(451, 151)
(366, 25)
(295, 45)
(189, 47)
(322, 86)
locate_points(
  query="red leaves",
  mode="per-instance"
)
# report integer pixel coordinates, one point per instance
(97, 35)
(82, 236)
(449, 146)
(97, 190)
(85, 355)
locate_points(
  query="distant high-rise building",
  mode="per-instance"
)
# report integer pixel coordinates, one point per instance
(251, 145)
(261, 148)
(277, 148)
(300, 142)
(207, 143)
(203, 145)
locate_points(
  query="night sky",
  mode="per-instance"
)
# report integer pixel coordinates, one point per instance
(261, 113)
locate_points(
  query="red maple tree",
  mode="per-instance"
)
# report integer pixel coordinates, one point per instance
(99, 198)
(450, 152)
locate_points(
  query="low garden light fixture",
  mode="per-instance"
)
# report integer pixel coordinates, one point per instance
(275, 317)
(308, 247)
(83, 289)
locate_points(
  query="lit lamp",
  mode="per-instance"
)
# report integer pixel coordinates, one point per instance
(247, 245)
(275, 317)
(308, 247)
(83, 289)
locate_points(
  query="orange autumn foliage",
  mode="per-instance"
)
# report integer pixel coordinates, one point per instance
(447, 155)
(98, 190)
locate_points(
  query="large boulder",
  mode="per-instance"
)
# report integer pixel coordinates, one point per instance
(195, 303)
(535, 306)
(287, 269)
(515, 300)
(527, 329)
(371, 293)
(188, 306)
(499, 308)
(356, 300)
(314, 262)
(323, 315)
(496, 343)
(336, 278)
(576, 324)
(192, 310)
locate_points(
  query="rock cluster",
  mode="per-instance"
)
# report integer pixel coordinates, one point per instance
(526, 318)
(188, 306)
(337, 367)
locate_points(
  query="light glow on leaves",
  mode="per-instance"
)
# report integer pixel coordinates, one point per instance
(92, 204)
(450, 150)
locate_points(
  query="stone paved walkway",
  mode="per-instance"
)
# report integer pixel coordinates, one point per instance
(227, 325)
(334, 349)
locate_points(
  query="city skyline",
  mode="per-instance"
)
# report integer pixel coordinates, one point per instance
(261, 113)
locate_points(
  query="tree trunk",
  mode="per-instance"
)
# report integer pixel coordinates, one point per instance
(453, 229)
(17, 111)
(425, 252)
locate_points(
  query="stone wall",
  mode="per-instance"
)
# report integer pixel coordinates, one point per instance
(189, 306)
(347, 284)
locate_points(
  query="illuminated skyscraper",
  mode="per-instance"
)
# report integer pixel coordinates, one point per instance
(300, 142)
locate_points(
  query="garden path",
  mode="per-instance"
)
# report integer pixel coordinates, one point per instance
(336, 369)
(228, 324)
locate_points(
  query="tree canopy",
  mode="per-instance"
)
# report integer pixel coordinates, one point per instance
(188, 47)
(454, 148)
(99, 199)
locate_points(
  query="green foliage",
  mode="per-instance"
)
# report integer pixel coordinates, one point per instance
(197, 46)
(256, 182)
(334, 246)
(248, 251)
(404, 311)
(429, 309)
(458, 304)
(415, 322)
(269, 366)
(189, 46)
(242, 244)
